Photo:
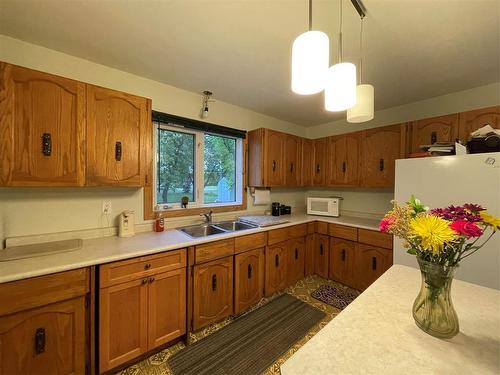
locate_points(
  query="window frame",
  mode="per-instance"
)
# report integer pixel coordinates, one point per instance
(175, 209)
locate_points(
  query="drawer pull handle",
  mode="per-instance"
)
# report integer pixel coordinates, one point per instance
(214, 282)
(47, 144)
(291, 168)
(343, 255)
(147, 266)
(374, 264)
(318, 168)
(151, 279)
(433, 137)
(249, 271)
(145, 281)
(118, 151)
(344, 167)
(39, 340)
(321, 249)
(274, 165)
(277, 260)
(296, 254)
(381, 165)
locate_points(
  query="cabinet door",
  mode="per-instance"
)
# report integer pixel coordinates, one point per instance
(249, 279)
(167, 307)
(307, 164)
(321, 255)
(319, 161)
(46, 340)
(381, 148)
(296, 260)
(213, 292)
(116, 137)
(275, 158)
(309, 256)
(292, 160)
(436, 129)
(370, 263)
(473, 120)
(342, 261)
(275, 279)
(343, 159)
(42, 127)
(123, 323)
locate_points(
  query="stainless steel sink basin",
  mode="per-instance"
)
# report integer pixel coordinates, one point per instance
(233, 226)
(203, 230)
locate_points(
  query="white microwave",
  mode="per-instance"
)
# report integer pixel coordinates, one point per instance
(324, 206)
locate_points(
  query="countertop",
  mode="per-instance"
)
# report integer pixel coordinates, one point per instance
(376, 334)
(108, 249)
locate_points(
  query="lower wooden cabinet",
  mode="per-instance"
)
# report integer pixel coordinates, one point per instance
(321, 250)
(370, 263)
(248, 279)
(213, 291)
(45, 340)
(309, 256)
(342, 254)
(276, 264)
(296, 260)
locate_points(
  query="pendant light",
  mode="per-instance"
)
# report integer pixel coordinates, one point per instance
(340, 89)
(310, 59)
(364, 108)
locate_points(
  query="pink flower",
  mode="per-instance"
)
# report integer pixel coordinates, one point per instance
(385, 224)
(466, 228)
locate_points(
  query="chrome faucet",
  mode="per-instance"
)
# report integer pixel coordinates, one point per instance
(207, 216)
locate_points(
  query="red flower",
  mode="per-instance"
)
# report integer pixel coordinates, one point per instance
(385, 224)
(466, 228)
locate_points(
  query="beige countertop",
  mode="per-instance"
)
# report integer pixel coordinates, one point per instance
(108, 249)
(376, 334)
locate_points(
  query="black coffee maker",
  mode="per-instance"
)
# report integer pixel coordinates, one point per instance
(275, 208)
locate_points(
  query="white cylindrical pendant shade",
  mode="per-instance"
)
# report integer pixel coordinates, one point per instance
(340, 89)
(310, 60)
(363, 110)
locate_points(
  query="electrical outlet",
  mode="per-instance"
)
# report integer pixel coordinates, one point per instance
(106, 207)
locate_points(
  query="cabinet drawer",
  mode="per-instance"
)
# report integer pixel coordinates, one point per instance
(321, 227)
(375, 238)
(311, 228)
(277, 235)
(342, 231)
(131, 269)
(40, 291)
(297, 231)
(252, 241)
(214, 250)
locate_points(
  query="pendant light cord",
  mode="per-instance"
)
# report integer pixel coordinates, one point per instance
(310, 15)
(340, 32)
(361, 52)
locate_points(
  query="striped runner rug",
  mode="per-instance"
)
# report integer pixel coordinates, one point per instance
(250, 344)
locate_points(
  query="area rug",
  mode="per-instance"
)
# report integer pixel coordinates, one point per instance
(335, 296)
(252, 342)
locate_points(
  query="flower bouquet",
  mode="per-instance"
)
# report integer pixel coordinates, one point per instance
(440, 238)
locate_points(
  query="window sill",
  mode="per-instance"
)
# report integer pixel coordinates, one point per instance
(178, 212)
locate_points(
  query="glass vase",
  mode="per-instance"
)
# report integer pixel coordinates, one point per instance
(433, 309)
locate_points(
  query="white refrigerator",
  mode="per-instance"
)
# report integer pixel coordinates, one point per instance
(445, 180)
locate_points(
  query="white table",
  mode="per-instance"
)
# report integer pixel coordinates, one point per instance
(376, 334)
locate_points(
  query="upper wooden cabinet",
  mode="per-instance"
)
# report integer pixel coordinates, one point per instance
(42, 127)
(431, 130)
(266, 158)
(292, 163)
(343, 153)
(320, 158)
(307, 164)
(473, 120)
(117, 124)
(381, 148)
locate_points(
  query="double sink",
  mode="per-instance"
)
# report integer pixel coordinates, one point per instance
(203, 230)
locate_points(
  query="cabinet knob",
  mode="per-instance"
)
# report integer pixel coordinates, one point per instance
(151, 279)
(374, 263)
(147, 266)
(47, 144)
(433, 137)
(344, 167)
(381, 165)
(320, 249)
(277, 260)
(118, 151)
(214, 282)
(39, 340)
(317, 168)
(291, 168)
(296, 254)
(343, 254)
(274, 165)
(145, 281)
(249, 271)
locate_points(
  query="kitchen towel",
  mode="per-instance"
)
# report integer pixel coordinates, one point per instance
(262, 196)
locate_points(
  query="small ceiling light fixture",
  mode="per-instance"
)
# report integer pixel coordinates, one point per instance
(204, 108)
(340, 89)
(364, 108)
(310, 60)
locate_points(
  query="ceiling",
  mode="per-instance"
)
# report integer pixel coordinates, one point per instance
(241, 50)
